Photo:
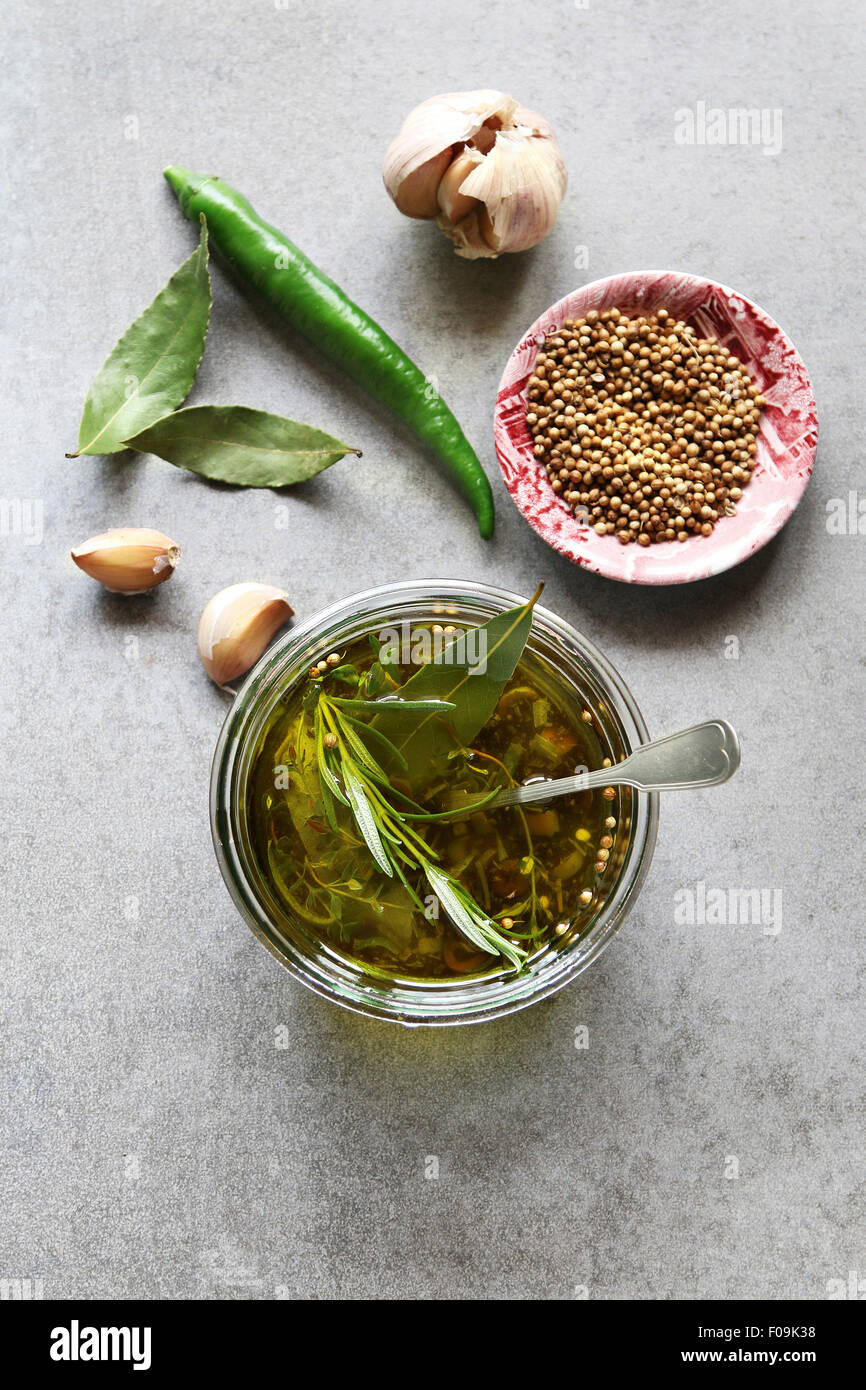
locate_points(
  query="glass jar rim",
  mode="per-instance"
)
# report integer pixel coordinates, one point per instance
(424, 1002)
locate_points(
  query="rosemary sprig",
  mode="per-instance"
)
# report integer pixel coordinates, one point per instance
(352, 776)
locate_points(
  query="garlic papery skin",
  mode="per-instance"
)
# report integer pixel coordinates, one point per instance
(490, 170)
(130, 560)
(237, 625)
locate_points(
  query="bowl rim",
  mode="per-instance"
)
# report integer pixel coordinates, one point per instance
(603, 554)
(418, 1006)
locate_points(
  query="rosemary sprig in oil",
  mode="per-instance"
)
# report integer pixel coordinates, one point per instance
(353, 778)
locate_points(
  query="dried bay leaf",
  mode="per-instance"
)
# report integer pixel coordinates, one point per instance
(235, 444)
(150, 371)
(454, 677)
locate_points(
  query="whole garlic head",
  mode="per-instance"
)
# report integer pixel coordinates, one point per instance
(488, 169)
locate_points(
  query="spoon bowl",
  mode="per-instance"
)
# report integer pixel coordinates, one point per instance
(703, 756)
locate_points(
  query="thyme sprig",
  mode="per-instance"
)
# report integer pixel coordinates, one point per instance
(353, 778)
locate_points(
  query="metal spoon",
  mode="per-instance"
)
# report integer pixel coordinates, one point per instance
(702, 756)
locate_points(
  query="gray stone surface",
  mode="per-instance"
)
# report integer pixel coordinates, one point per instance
(155, 1141)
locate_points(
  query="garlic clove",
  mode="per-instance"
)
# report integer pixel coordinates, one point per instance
(130, 560)
(236, 626)
(453, 203)
(416, 193)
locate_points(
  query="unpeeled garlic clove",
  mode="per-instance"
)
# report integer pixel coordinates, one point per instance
(489, 167)
(417, 193)
(130, 560)
(237, 625)
(453, 203)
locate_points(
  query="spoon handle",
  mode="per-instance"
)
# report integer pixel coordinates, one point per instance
(702, 756)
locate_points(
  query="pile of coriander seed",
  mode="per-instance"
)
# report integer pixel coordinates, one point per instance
(643, 427)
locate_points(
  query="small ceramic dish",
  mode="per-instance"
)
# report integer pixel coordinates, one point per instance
(787, 441)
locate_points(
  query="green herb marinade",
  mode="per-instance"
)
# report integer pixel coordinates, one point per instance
(537, 875)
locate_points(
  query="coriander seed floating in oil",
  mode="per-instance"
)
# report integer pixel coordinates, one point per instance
(128, 561)
(488, 169)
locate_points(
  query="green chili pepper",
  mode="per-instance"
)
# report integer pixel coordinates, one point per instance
(316, 307)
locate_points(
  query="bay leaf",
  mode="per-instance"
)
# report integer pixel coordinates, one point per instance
(235, 444)
(150, 371)
(454, 677)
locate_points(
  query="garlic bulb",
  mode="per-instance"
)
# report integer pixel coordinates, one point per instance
(488, 169)
(128, 561)
(237, 625)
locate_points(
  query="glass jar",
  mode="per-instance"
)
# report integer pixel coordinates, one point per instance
(580, 668)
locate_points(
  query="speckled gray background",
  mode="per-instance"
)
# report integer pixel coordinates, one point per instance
(156, 1140)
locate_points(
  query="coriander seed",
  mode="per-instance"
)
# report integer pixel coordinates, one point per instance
(644, 429)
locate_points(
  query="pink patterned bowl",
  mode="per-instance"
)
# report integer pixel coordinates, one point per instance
(787, 440)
